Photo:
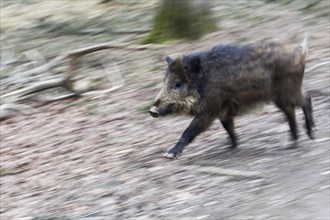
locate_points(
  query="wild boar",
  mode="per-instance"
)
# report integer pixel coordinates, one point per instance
(227, 81)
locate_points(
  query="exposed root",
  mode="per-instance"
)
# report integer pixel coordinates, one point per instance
(35, 88)
(8, 110)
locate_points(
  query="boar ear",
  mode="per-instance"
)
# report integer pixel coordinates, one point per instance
(168, 60)
(195, 66)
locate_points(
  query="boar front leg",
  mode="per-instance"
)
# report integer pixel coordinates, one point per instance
(197, 126)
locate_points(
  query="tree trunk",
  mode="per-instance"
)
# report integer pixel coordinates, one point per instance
(181, 19)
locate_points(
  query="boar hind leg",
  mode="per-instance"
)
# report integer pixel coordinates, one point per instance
(228, 124)
(197, 126)
(308, 112)
(289, 111)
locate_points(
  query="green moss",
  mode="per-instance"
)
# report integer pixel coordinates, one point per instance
(283, 2)
(145, 108)
(74, 26)
(92, 107)
(311, 22)
(2, 171)
(180, 20)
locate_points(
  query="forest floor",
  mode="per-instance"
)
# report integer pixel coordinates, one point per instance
(100, 157)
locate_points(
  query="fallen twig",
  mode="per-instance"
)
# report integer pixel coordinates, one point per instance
(35, 88)
(60, 98)
(229, 172)
(142, 31)
(124, 31)
(307, 70)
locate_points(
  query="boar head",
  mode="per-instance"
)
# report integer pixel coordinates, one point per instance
(181, 90)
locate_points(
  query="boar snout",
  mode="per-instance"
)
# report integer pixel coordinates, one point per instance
(154, 112)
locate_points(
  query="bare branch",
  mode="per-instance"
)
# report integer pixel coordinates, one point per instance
(60, 98)
(125, 46)
(36, 88)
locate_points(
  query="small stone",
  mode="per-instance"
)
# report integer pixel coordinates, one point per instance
(322, 140)
(327, 172)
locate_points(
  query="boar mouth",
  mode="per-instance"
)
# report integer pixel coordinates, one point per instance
(155, 112)
(169, 109)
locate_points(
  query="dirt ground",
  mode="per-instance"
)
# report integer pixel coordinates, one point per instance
(100, 157)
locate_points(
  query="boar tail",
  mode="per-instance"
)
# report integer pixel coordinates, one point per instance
(304, 46)
(300, 53)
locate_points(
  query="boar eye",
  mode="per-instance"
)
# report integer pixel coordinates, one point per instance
(177, 85)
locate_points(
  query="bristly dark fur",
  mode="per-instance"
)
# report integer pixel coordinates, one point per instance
(228, 80)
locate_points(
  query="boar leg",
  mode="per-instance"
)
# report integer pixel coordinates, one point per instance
(197, 126)
(228, 124)
(289, 111)
(308, 112)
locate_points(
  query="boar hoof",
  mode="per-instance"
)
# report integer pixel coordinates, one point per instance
(233, 147)
(170, 155)
(311, 135)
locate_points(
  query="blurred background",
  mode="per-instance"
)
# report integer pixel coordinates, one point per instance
(78, 77)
